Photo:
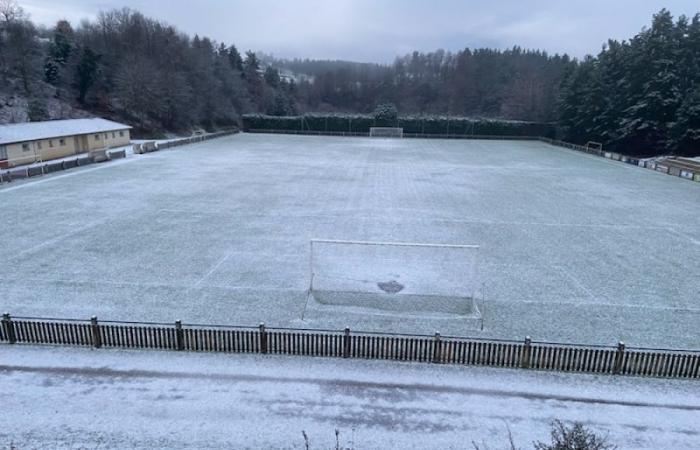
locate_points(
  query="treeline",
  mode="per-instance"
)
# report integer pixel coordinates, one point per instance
(640, 96)
(130, 67)
(512, 84)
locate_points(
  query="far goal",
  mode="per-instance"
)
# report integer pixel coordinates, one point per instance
(386, 132)
(398, 279)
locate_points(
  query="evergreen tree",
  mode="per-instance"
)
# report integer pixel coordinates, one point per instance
(86, 72)
(235, 59)
(645, 123)
(638, 97)
(685, 132)
(272, 77)
(251, 73)
(575, 113)
(613, 91)
(59, 51)
(251, 66)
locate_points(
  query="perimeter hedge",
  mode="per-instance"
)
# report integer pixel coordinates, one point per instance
(358, 123)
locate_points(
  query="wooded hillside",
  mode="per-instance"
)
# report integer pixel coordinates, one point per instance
(640, 96)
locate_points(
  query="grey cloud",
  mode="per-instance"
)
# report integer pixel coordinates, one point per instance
(379, 30)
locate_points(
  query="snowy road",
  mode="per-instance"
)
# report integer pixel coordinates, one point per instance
(83, 398)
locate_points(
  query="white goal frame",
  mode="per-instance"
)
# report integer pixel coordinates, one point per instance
(386, 132)
(470, 296)
(592, 145)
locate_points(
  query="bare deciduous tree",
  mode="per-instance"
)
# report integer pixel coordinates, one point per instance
(10, 11)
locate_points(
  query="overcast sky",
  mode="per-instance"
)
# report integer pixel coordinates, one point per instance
(366, 30)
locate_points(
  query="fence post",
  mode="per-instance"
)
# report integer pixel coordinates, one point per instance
(9, 328)
(179, 335)
(263, 339)
(96, 337)
(346, 343)
(527, 352)
(437, 349)
(618, 358)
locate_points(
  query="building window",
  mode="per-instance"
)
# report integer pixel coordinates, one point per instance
(114, 134)
(97, 137)
(61, 142)
(51, 143)
(3, 152)
(121, 134)
(25, 147)
(38, 145)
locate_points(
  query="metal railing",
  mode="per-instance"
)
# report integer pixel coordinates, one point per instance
(526, 354)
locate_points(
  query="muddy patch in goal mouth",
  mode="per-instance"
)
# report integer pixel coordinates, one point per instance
(390, 287)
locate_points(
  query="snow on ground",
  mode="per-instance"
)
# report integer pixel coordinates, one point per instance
(128, 152)
(127, 148)
(573, 247)
(85, 398)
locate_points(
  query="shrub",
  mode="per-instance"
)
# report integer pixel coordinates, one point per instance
(574, 437)
(37, 110)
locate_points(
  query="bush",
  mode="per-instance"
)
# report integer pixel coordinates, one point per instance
(386, 115)
(37, 110)
(574, 437)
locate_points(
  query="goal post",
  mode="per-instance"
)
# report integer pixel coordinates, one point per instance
(394, 278)
(386, 132)
(595, 146)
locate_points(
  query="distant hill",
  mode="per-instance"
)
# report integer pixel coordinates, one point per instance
(640, 96)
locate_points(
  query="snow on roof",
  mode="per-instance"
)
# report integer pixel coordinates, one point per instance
(31, 131)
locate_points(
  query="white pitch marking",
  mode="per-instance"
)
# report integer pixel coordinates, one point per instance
(576, 281)
(57, 239)
(152, 285)
(604, 305)
(212, 270)
(425, 218)
(595, 157)
(683, 235)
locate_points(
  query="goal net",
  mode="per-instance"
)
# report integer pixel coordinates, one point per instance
(430, 280)
(386, 132)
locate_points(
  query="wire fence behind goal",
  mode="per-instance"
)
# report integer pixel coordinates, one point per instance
(394, 278)
(386, 132)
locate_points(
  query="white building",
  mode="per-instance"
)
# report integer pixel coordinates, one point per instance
(25, 143)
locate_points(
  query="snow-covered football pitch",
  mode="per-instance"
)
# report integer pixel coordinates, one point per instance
(573, 247)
